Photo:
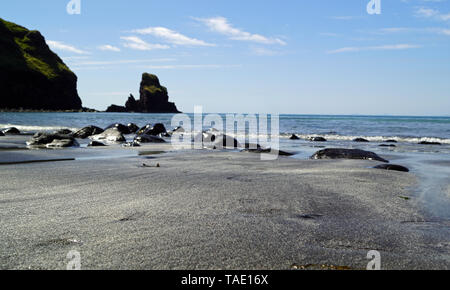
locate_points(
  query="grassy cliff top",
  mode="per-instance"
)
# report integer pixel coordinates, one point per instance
(25, 50)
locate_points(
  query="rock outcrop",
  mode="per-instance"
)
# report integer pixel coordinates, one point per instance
(32, 77)
(153, 99)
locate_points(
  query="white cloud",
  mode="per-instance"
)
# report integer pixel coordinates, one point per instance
(374, 48)
(57, 45)
(135, 42)
(432, 13)
(222, 26)
(108, 47)
(445, 31)
(192, 66)
(172, 36)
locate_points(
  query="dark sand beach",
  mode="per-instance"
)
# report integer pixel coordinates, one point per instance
(207, 209)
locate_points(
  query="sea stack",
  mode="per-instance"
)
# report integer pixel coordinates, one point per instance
(32, 77)
(153, 98)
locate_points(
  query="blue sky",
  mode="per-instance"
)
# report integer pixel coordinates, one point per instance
(306, 57)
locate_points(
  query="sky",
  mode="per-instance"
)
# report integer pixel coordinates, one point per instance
(253, 56)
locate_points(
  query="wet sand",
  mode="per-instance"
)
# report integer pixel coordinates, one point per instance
(210, 210)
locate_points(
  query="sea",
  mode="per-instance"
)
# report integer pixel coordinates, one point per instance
(430, 163)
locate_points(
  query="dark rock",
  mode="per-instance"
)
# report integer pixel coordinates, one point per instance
(132, 105)
(87, 132)
(390, 141)
(111, 135)
(392, 167)
(387, 145)
(429, 143)
(224, 141)
(133, 127)
(11, 131)
(63, 143)
(178, 130)
(153, 98)
(152, 130)
(165, 135)
(96, 144)
(269, 150)
(52, 140)
(64, 132)
(116, 109)
(294, 137)
(317, 139)
(360, 140)
(337, 153)
(120, 127)
(144, 138)
(32, 77)
(1, 133)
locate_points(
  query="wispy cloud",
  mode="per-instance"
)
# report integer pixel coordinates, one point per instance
(222, 26)
(192, 66)
(84, 62)
(57, 45)
(172, 36)
(432, 13)
(136, 43)
(373, 48)
(108, 47)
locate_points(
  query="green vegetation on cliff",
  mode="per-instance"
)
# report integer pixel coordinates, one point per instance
(31, 75)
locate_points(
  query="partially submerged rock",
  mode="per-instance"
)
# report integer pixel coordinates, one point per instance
(63, 143)
(429, 143)
(294, 137)
(87, 132)
(338, 153)
(392, 167)
(111, 135)
(387, 145)
(225, 141)
(52, 140)
(11, 131)
(390, 141)
(131, 144)
(360, 140)
(149, 139)
(317, 139)
(269, 151)
(1, 133)
(178, 130)
(96, 144)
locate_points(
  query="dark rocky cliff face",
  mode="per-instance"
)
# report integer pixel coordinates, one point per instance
(31, 75)
(153, 98)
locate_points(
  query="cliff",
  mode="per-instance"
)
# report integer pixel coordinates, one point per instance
(153, 98)
(32, 77)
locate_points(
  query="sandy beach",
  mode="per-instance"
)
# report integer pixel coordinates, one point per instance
(207, 209)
